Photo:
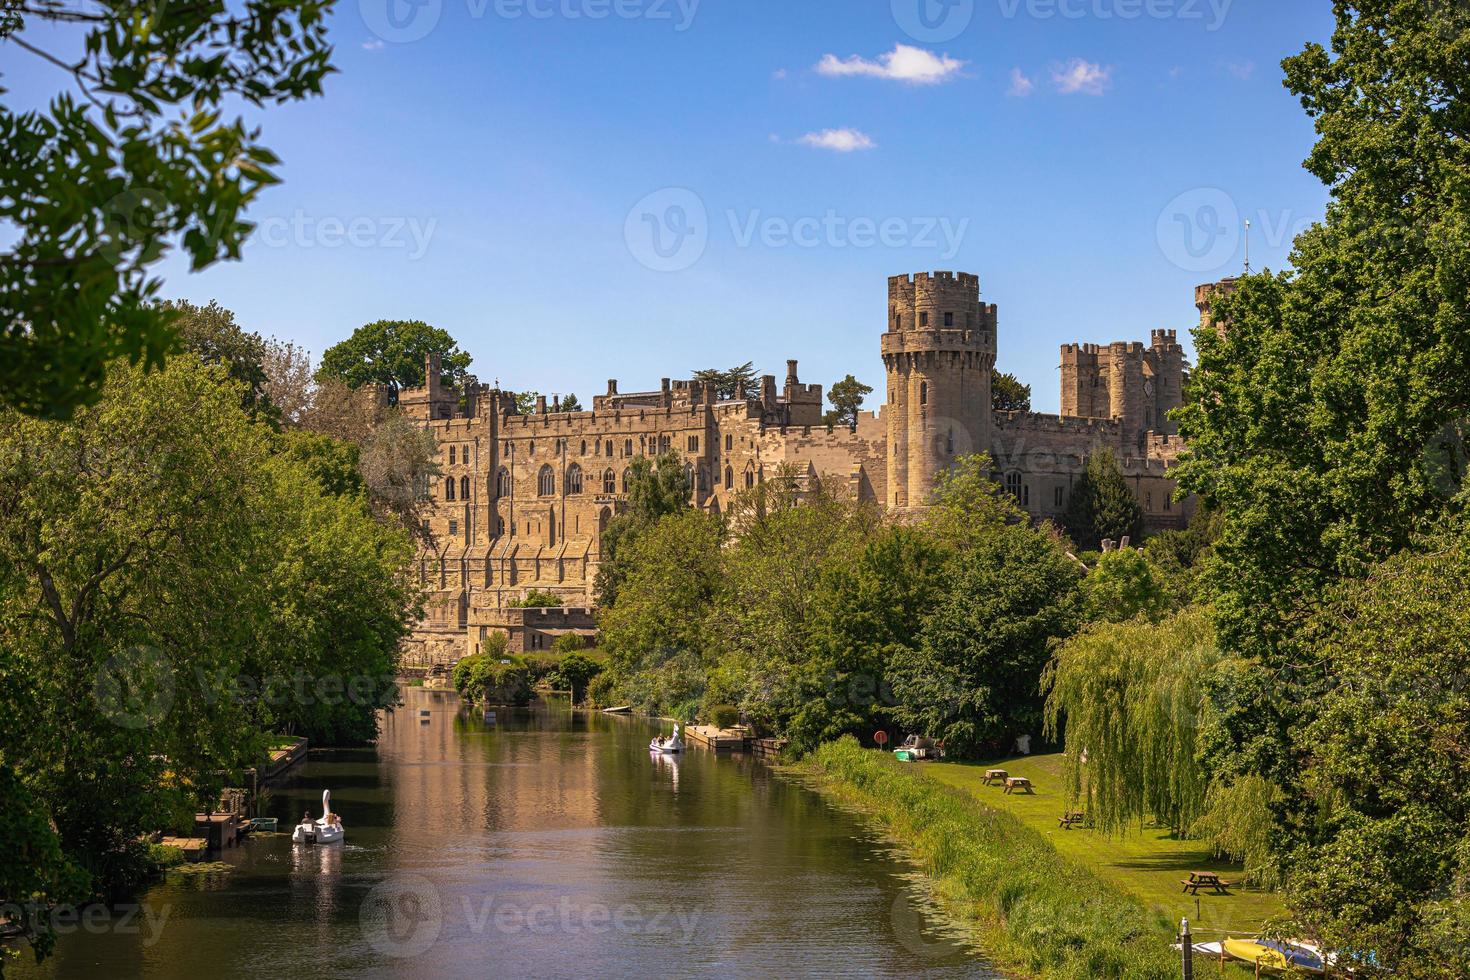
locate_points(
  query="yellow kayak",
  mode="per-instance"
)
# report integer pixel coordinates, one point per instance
(1276, 956)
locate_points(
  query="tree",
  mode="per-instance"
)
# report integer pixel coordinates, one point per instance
(392, 353)
(498, 679)
(398, 461)
(1124, 584)
(1007, 394)
(288, 383)
(333, 463)
(967, 505)
(1180, 555)
(576, 670)
(973, 678)
(655, 488)
(1103, 506)
(211, 333)
(571, 404)
(727, 383)
(98, 189)
(654, 632)
(846, 397)
(1129, 698)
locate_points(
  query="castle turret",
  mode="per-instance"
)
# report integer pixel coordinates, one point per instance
(1204, 299)
(938, 351)
(1167, 359)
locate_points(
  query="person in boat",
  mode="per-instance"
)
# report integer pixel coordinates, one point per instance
(306, 819)
(337, 820)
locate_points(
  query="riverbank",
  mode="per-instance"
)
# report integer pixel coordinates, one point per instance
(1034, 910)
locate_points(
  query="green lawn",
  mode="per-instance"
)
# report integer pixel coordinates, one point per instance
(1149, 863)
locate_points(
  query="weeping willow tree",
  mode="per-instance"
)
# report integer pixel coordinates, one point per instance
(1128, 696)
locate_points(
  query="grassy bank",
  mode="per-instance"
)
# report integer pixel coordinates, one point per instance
(1036, 910)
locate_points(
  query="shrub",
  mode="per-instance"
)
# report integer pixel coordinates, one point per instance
(723, 715)
(487, 680)
(537, 599)
(602, 691)
(575, 672)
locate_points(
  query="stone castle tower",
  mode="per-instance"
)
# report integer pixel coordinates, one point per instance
(938, 353)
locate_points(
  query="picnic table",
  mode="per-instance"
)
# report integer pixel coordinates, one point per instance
(1204, 879)
(993, 776)
(1070, 819)
(1016, 784)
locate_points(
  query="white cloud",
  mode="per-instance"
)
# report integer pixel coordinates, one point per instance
(373, 45)
(1021, 86)
(839, 140)
(1084, 77)
(779, 74)
(1176, 72)
(903, 64)
(1242, 71)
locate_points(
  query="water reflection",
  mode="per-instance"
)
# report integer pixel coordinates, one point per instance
(541, 843)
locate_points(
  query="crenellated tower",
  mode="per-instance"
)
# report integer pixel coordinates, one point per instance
(938, 353)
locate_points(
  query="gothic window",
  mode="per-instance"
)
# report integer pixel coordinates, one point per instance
(1059, 496)
(1013, 485)
(464, 488)
(546, 482)
(625, 481)
(574, 479)
(451, 455)
(609, 449)
(663, 444)
(729, 442)
(627, 447)
(923, 392)
(749, 478)
(449, 488)
(693, 444)
(949, 319)
(502, 483)
(729, 478)
(609, 482)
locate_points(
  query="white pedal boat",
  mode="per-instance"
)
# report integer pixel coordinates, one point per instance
(327, 829)
(667, 746)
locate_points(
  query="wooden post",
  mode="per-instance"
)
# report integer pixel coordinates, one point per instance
(1186, 949)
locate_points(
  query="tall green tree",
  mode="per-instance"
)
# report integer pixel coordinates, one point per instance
(973, 679)
(967, 505)
(728, 381)
(1102, 506)
(656, 488)
(1007, 394)
(135, 158)
(392, 353)
(211, 333)
(846, 397)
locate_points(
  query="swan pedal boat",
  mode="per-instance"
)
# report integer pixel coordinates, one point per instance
(667, 746)
(322, 830)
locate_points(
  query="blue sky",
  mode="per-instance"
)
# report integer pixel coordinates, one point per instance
(499, 168)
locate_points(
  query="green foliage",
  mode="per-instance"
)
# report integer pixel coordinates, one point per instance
(973, 679)
(1180, 555)
(1038, 912)
(967, 505)
(655, 488)
(1129, 698)
(846, 397)
(728, 382)
(333, 463)
(1102, 506)
(170, 589)
(723, 716)
(34, 874)
(568, 644)
(485, 679)
(574, 672)
(211, 333)
(1007, 394)
(1124, 584)
(602, 691)
(654, 633)
(101, 184)
(392, 353)
(570, 403)
(1238, 823)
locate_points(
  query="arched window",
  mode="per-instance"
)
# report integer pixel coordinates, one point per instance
(749, 478)
(923, 394)
(689, 475)
(729, 478)
(609, 482)
(464, 488)
(1013, 485)
(584, 447)
(449, 488)
(546, 482)
(574, 479)
(502, 483)
(451, 455)
(625, 481)
(609, 449)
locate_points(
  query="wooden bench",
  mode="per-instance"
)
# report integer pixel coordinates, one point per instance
(993, 776)
(1071, 819)
(1016, 784)
(1204, 879)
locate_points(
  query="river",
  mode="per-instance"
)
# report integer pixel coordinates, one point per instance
(542, 843)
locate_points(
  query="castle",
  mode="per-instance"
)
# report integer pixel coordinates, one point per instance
(522, 499)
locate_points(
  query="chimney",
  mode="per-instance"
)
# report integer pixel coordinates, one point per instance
(612, 386)
(540, 404)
